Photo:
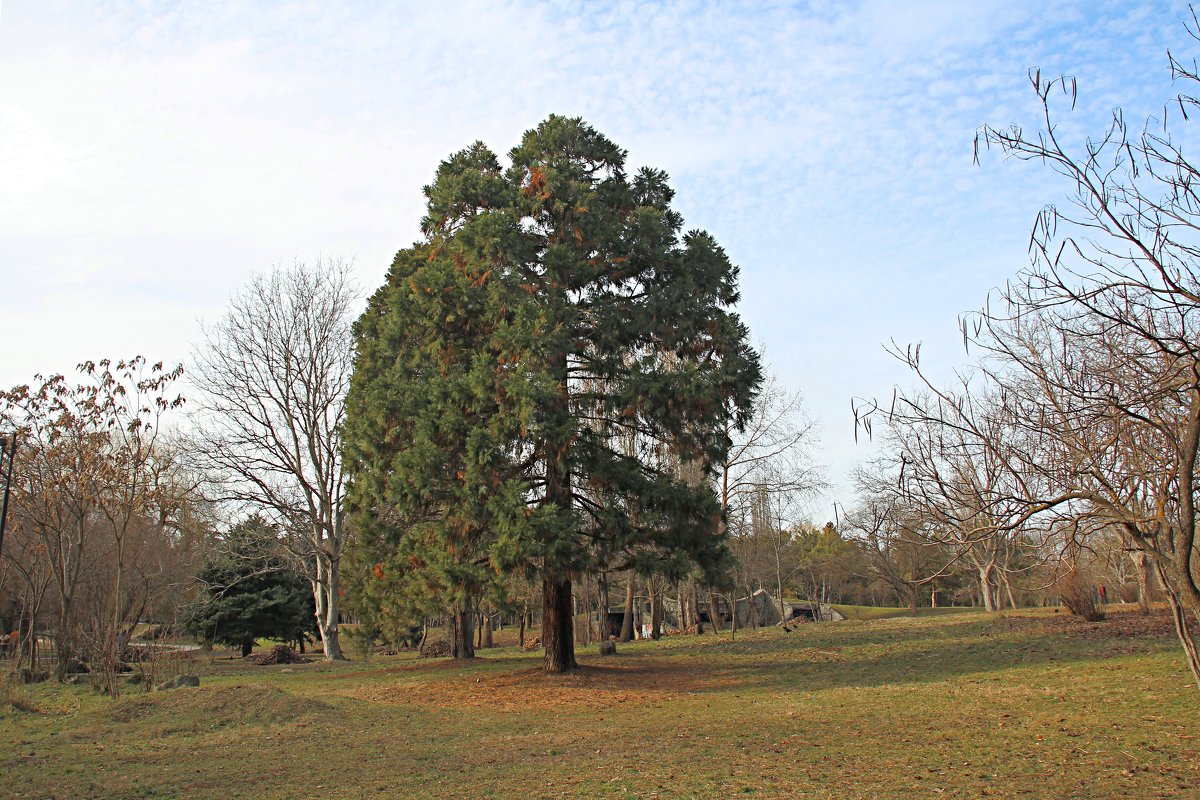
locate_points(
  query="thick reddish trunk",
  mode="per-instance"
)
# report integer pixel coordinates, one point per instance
(557, 629)
(558, 640)
(462, 641)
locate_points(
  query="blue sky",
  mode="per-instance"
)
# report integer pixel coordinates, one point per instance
(153, 155)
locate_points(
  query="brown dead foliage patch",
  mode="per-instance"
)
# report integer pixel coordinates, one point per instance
(431, 665)
(646, 682)
(1120, 623)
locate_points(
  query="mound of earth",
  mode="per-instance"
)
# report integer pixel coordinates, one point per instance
(216, 707)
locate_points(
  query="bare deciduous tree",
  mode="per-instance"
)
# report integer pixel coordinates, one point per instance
(895, 537)
(1094, 349)
(774, 452)
(274, 371)
(1092, 354)
(951, 454)
(93, 484)
(768, 476)
(1105, 329)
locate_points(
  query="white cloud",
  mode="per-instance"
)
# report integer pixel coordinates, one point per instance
(153, 154)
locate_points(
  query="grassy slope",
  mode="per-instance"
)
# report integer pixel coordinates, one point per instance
(964, 705)
(883, 612)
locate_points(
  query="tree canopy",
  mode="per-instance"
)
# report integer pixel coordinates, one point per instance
(539, 373)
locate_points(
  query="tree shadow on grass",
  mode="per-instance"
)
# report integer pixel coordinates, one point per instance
(812, 659)
(900, 654)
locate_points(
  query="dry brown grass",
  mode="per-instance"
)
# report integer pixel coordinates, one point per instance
(644, 682)
(1024, 705)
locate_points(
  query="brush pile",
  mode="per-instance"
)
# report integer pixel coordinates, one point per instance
(435, 649)
(279, 654)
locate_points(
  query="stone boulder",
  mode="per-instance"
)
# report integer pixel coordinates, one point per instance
(178, 682)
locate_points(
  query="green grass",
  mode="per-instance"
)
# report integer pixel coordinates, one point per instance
(887, 612)
(957, 705)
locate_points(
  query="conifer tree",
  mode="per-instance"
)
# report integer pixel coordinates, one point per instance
(534, 371)
(248, 592)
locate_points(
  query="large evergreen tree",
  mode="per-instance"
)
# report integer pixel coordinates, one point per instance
(536, 375)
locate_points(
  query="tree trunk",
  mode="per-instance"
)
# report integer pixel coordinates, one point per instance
(558, 610)
(587, 610)
(328, 625)
(557, 640)
(1142, 562)
(521, 630)
(462, 630)
(655, 610)
(714, 612)
(602, 590)
(985, 587)
(62, 643)
(779, 583)
(247, 648)
(30, 646)
(487, 631)
(1186, 638)
(120, 573)
(1012, 601)
(1182, 627)
(733, 619)
(325, 588)
(627, 620)
(694, 606)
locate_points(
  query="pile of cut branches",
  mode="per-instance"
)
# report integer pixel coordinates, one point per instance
(435, 649)
(279, 654)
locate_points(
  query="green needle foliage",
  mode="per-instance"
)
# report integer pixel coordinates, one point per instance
(534, 378)
(249, 593)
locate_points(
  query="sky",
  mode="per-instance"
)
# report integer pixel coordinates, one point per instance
(154, 155)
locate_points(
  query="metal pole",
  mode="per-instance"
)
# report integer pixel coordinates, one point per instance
(12, 453)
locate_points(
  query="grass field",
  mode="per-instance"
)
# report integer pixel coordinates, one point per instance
(881, 612)
(1030, 704)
